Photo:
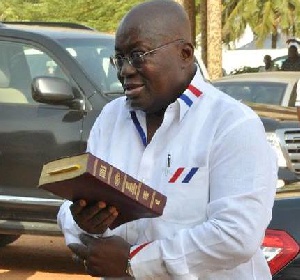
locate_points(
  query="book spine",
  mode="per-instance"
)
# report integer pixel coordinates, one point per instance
(126, 184)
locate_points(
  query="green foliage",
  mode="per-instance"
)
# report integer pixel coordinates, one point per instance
(264, 16)
(99, 14)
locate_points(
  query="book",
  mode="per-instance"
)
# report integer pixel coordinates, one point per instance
(87, 177)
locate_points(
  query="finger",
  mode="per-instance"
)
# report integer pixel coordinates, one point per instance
(77, 206)
(88, 212)
(103, 218)
(81, 251)
(94, 210)
(101, 227)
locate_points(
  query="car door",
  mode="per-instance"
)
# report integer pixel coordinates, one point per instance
(31, 133)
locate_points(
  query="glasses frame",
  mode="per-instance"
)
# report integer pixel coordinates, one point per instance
(117, 61)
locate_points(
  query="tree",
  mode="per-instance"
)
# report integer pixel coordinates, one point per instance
(190, 8)
(265, 17)
(214, 38)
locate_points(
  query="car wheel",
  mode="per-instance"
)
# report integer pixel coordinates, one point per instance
(6, 239)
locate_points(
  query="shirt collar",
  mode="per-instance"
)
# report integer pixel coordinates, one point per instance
(191, 94)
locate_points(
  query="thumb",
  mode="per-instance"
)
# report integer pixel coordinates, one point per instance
(86, 239)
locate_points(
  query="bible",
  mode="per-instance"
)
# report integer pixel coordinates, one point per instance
(87, 177)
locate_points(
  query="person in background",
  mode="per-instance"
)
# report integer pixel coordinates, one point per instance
(204, 150)
(269, 65)
(292, 63)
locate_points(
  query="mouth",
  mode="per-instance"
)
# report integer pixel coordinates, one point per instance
(132, 90)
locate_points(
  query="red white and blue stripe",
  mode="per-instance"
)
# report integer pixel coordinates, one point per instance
(189, 94)
(177, 175)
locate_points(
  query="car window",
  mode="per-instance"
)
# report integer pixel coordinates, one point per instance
(40, 64)
(19, 64)
(93, 54)
(255, 92)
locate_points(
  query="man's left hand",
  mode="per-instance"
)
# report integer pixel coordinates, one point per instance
(103, 256)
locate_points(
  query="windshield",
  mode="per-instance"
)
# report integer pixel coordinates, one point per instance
(255, 92)
(93, 54)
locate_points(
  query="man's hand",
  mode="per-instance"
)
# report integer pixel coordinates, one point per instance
(103, 257)
(94, 218)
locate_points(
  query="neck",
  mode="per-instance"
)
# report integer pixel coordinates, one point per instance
(153, 121)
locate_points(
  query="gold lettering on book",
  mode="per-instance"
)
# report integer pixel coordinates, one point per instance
(124, 183)
(95, 167)
(117, 179)
(138, 191)
(103, 171)
(109, 174)
(132, 188)
(152, 199)
(145, 195)
(157, 201)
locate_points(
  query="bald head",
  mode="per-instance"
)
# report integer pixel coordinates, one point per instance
(155, 40)
(160, 20)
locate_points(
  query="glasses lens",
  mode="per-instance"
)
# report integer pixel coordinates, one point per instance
(137, 59)
(117, 61)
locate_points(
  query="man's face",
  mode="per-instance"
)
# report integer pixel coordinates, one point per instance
(155, 84)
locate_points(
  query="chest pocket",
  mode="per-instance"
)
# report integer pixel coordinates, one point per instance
(187, 190)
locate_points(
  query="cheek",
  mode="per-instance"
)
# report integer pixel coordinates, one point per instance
(157, 82)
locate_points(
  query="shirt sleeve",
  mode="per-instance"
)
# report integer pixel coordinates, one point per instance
(67, 224)
(243, 176)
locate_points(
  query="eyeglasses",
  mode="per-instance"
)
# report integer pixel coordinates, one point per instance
(136, 59)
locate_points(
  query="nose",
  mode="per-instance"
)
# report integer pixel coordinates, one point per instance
(127, 69)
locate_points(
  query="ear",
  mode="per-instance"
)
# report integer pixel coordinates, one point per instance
(187, 52)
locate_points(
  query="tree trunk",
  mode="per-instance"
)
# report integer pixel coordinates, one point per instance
(274, 39)
(214, 38)
(203, 30)
(189, 6)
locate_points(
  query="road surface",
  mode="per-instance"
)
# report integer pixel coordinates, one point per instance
(39, 258)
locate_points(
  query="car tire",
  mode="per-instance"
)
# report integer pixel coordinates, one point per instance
(6, 239)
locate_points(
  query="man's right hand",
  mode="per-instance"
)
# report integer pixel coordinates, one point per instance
(94, 219)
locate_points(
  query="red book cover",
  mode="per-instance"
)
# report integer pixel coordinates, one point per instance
(87, 177)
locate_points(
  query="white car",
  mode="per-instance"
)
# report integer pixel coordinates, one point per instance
(274, 88)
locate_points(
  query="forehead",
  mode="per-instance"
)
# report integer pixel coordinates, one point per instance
(140, 29)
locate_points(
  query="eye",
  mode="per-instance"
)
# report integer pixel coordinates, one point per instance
(136, 55)
(137, 59)
(119, 57)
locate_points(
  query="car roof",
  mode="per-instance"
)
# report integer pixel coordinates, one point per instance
(274, 76)
(56, 30)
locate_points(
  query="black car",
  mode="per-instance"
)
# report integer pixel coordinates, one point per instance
(54, 80)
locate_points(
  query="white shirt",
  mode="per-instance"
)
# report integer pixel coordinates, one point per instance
(215, 217)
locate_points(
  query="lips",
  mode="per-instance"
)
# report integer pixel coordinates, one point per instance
(132, 90)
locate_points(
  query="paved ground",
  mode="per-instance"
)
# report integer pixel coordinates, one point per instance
(39, 258)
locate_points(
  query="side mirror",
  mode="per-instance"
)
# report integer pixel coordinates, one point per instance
(51, 90)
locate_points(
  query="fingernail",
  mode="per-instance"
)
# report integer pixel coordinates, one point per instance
(101, 204)
(82, 203)
(113, 211)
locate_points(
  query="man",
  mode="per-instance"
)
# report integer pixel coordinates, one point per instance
(171, 120)
(269, 65)
(292, 63)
